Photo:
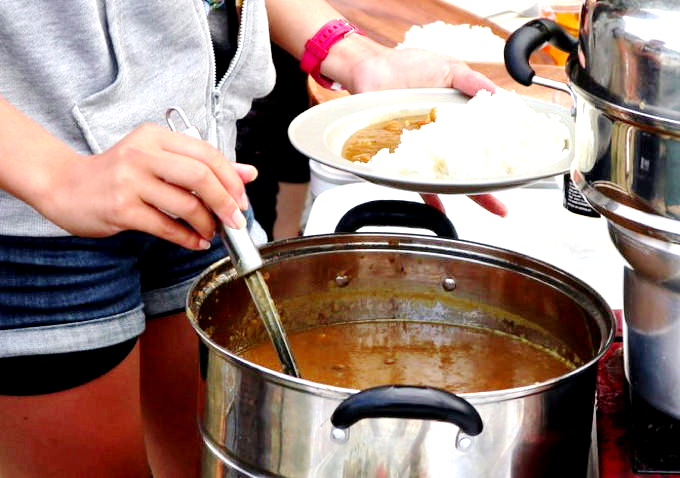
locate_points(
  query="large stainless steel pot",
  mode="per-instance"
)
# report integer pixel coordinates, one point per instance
(257, 422)
(624, 76)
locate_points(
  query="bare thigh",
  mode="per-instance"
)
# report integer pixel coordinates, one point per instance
(169, 364)
(94, 429)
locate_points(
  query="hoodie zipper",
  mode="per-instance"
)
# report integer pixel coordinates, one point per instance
(215, 93)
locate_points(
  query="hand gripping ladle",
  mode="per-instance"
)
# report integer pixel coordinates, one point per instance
(247, 262)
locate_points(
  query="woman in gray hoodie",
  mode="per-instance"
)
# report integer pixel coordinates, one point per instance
(101, 225)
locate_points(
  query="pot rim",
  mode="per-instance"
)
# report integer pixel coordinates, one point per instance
(393, 240)
(644, 223)
(587, 89)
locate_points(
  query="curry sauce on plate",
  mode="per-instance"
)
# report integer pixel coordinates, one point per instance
(363, 144)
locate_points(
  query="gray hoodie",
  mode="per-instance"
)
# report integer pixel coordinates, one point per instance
(90, 71)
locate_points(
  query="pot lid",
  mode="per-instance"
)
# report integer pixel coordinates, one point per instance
(630, 49)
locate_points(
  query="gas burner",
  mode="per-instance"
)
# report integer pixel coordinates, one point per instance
(654, 438)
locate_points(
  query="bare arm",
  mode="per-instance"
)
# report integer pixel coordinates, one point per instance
(126, 187)
(361, 64)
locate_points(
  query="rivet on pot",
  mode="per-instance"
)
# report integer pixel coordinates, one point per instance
(341, 280)
(463, 441)
(449, 283)
(340, 435)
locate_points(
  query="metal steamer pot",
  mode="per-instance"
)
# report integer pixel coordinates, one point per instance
(624, 77)
(256, 422)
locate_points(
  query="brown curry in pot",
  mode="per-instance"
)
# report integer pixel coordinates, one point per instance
(456, 358)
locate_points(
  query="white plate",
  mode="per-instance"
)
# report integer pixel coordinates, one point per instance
(321, 131)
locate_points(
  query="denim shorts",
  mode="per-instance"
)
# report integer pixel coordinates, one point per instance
(70, 294)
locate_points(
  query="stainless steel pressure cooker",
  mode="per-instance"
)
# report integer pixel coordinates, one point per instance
(624, 77)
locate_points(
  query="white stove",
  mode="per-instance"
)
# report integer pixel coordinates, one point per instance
(537, 225)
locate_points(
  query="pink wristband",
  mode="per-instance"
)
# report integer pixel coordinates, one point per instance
(316, 49)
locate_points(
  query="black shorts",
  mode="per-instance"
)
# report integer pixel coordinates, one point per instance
(41, 374)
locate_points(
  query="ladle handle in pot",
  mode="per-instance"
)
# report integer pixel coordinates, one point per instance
(239, 245)
(527, 39)
(409, 402)
(388, 212)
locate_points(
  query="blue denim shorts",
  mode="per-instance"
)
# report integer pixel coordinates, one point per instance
(70, 294)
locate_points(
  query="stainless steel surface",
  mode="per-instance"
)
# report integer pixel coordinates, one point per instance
(631, 159)
(625, 75)
(260, 423)
(625, 83)
(627, 165)
(241, 249)
(651, 338)
(652, 317)
(321, 131)
(655, 259)
(629, 173)
(629, 51)
(556, 85)
(247, 260)
(269, 314)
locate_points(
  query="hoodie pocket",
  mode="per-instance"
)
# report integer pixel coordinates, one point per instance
(162, 52)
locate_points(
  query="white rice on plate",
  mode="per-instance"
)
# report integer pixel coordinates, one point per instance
(490, 136)
(465, 42)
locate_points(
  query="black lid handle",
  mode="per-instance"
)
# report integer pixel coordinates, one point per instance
(388, 212)
(527, 39)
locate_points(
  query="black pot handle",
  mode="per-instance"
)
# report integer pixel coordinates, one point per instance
(410, 402)
(527, 39)
(389, 212)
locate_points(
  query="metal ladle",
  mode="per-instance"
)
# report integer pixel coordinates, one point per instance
(247, 262)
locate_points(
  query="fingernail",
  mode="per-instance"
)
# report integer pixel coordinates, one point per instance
(244, 201)
(238, 219)
(203, 244)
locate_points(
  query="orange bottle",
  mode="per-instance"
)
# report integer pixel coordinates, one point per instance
(565, 13)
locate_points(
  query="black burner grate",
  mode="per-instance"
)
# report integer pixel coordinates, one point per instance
(655, 439)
